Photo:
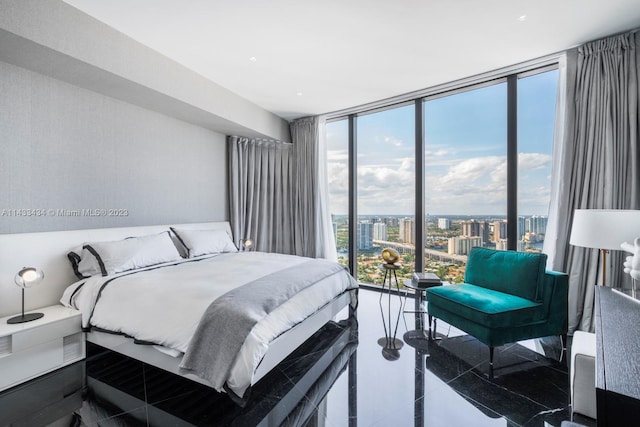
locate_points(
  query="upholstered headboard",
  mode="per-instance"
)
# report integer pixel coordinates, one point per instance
(48, 252)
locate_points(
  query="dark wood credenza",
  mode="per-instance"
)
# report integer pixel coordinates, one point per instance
(617, 319)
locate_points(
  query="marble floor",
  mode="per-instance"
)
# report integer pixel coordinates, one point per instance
(349, 374)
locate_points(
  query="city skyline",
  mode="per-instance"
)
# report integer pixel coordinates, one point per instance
(445, 249)
(436, 216)
(492, 230)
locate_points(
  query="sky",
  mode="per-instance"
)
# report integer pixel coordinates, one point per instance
(465, 153)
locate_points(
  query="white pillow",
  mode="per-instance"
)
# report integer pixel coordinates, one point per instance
(202, 242)
(134, 252)
(84, 263)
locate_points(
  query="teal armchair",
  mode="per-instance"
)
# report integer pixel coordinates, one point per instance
(507, 297)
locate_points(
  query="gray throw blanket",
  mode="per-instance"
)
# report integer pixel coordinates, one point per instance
(229, 319)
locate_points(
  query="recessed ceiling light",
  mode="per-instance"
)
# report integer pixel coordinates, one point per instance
(522, 18)
(253, 59)
(299, 93)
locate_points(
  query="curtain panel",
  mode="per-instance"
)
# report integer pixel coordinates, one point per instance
(260, 195)
(278, 192)
(313, 227)
(305, 145)
(596, 160)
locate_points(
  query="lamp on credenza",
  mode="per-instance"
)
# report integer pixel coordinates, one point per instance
(604, 229)
(26, 278)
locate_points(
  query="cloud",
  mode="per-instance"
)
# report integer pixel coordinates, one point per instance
(533, 161)
(338, 175)
(387, 176)
(468, 171)
(436, 153)
(337, 156)
(393, 141)
(479, 185)
(499, 175)
(475, 185)
(533, 200)
(387, 188)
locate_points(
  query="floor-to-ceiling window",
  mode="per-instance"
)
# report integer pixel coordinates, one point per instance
(486, 150)
(337, 137)
(536, 118)
(385, 190)
(465, 176)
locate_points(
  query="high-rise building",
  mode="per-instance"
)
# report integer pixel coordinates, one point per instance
(407, 230)
(499, 231)
(391, 221)
(365, 236)
(533, 237)
(473, 228)
(444, 223)
(379, 231)
(462, 245)
(335, 232)
(537, 224)
(501, 245)
(521, 227)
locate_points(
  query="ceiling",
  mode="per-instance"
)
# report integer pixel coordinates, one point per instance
(298, 58)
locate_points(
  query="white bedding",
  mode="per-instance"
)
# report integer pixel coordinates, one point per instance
(164, 304)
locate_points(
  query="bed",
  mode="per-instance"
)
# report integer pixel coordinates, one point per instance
(180, 310)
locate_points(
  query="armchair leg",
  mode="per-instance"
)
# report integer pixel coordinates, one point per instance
(491, 362)
(432, 335)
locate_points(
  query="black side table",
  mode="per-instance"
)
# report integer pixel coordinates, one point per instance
(417, 338)
(390, 344)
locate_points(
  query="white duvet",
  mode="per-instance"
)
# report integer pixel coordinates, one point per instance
(164, 304)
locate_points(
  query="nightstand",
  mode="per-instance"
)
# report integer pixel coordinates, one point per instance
(28, 350)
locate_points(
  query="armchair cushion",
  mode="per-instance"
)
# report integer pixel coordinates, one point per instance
(485, 306)
(516, 273)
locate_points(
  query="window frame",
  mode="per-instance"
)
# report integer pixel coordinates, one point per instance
(510, 75)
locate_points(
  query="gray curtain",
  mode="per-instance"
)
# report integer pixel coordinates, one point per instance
(260, 195)
(305, 144)
(313, 229)
(597, 160)
(278, 193)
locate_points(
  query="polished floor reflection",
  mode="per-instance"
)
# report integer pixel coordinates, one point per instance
(349, 374)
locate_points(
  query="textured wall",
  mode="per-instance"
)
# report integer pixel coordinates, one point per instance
(66, 150)
(55, 39)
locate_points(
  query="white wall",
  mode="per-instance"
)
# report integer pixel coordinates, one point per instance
(92, 119)
(68, 148)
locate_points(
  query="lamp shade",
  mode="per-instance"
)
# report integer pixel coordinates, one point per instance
(28, 277)
(604, 228)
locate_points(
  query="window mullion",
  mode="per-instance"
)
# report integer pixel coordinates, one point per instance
(512, 162)
(420, 185)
